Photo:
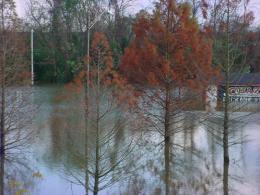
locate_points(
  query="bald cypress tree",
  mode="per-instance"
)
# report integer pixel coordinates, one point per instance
(13, 74)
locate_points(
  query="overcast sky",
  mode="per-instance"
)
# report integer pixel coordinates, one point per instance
(142, 4)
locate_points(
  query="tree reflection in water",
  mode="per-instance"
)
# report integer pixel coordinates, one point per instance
(195, 165)
(112, 138)
(195, 161)
(20, 177)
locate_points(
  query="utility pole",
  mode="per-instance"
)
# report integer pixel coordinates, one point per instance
(32, 68)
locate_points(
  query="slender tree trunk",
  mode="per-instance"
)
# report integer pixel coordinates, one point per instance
(167, 137)
(226, 115)
(225, 178)
(167, 165)
(96, 184)
(86, 140)
(2, 131)
(2, 127)
(225, 139)
(226, 125)
(2, 175)
(87, 90)
(167, 141)
(2, 119)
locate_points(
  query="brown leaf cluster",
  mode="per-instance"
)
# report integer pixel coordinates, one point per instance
(169, 48)
(103, 74)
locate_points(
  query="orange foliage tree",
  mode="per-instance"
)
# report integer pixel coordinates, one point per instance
(102, 74)
(109, 103)
(170, 52)
(169, 48)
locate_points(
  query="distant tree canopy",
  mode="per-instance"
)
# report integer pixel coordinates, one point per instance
(61, 33)
(14, 47)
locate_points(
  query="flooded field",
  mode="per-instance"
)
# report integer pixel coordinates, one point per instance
(54, 161)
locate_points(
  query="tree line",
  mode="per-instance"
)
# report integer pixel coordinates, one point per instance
(61, 33)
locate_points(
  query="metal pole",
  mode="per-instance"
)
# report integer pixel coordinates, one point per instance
(32, 70)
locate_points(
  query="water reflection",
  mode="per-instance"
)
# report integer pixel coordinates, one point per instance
(20, 177)
(16, 136)
(198, 167)
(110, 141)
(194, 164)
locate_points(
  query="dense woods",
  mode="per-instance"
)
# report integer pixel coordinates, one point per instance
(61, 32)
(129, 81)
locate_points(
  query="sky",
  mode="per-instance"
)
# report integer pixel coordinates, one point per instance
(255, 7)
(142, 4)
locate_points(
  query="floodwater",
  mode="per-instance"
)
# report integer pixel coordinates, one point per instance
(52, 163)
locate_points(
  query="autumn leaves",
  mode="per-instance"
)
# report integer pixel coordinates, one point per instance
(169, 48)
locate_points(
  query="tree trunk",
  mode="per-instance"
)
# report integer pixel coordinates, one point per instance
(2, 131)
(2, 119)
(86, 140)
(2, 135)
(86, 81)
(226, 127)
(96, 184)
(226, 114)
(225, 139)
(167, 165)
(225, 178)
(167, 141)
(2, 127)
